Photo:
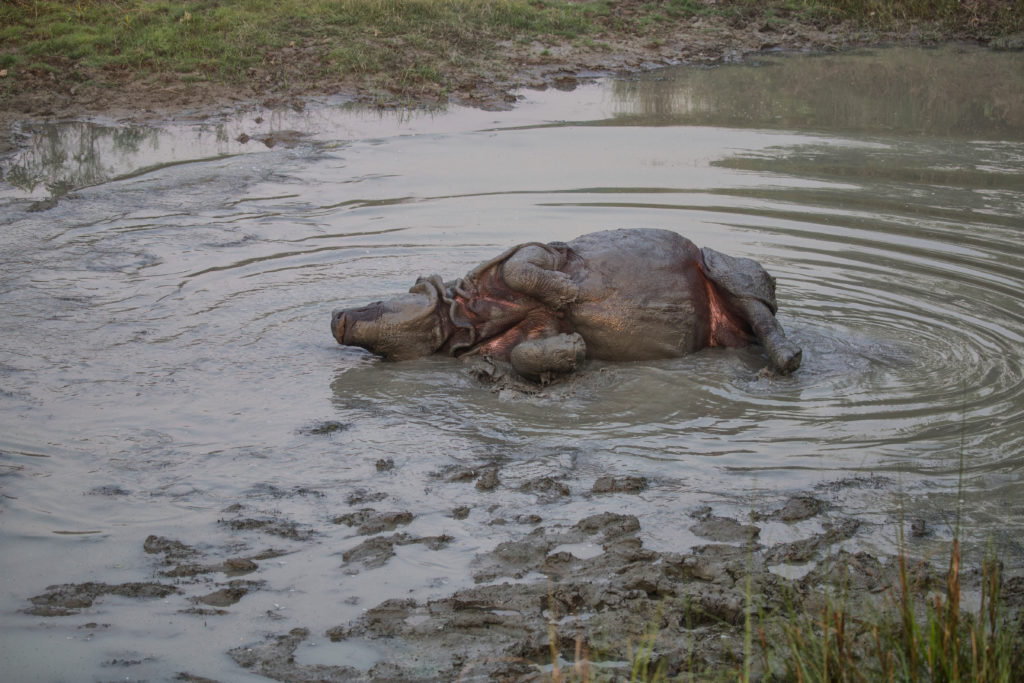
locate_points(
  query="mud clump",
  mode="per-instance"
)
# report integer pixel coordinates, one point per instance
(725, 529)
(109, 490)
(233, 566)
(376, 551)
(795, 509)
(548, 490)
(871, 481)
(275, 659)
(170, 549)
(190, 678)
(276, 527)
(362, 497)
(610, 484)
(488, 481)
(369, 521)
(371, 553)
(228, 595)
(239, 565)
(178, 554)
(327, 427)
(71, 598)
(486, 476)
(266, 490)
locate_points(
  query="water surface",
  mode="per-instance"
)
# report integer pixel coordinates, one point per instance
(166, 353)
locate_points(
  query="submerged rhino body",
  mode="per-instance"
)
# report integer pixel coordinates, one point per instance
(616, 295)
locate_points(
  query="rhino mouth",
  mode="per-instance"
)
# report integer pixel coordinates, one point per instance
(358, 326)
(338, 325)
(401, 328)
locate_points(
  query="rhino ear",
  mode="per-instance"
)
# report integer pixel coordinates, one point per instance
(432, 286)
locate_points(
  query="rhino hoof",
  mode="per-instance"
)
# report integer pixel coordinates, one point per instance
(787, 357)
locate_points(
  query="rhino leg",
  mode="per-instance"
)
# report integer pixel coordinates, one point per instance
(533, 270)
(543, 358)
(784, 354)
(751, 291)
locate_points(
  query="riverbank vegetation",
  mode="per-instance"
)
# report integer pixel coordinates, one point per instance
(919, 629)
(409, 47)
(909, 637)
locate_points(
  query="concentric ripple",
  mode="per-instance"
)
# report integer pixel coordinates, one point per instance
(165, 350)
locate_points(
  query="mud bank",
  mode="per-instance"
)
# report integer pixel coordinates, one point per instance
(587, 594)
(493, 81)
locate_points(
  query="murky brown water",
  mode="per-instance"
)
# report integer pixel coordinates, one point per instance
(166, 354)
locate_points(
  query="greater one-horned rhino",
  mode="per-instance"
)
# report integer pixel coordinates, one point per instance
(616, 295)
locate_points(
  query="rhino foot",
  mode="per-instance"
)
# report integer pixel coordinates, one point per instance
(786, 356)
(544, 359)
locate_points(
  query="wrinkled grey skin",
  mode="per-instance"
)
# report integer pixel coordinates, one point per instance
(614, 295)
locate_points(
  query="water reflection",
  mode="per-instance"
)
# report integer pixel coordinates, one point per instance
(899, 91)
(61, 157)
(943, 92)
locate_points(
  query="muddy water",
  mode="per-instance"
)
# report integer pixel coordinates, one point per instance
(166, 368)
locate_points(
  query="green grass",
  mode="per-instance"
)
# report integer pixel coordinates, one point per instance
(908, 635)
(224, 39)
(407, 41)
(967, 14)
(910, 638)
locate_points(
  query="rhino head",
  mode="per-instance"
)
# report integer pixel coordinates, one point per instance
(408, 326)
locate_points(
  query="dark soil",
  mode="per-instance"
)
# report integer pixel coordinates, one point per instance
(492, 81)
(70, 598)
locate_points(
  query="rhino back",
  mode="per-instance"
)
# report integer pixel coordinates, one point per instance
(642, 294)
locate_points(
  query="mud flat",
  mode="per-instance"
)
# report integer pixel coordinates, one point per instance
(581, 594)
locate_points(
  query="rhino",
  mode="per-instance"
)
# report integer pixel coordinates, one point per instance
(616, 295)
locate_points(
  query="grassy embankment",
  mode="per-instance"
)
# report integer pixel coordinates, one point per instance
(403, 46)
(931, 639)
(390, 42)
(904, 638)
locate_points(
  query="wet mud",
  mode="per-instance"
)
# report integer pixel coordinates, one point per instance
(553, 593)
(67, 599)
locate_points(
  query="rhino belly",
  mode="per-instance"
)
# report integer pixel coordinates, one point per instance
(622, 329)
(642, 295)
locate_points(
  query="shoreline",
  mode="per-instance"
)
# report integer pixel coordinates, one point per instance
(491, 82)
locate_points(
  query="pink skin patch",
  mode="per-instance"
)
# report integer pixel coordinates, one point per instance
(727, 327)
(537, 324)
